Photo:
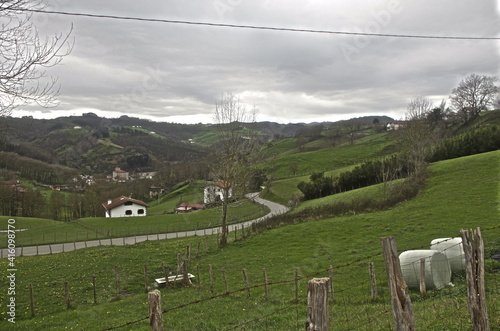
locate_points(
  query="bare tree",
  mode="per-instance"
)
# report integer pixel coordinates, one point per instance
(417, 136)
(24, 55)
(418, 108)
(233, 153)
(474, 94)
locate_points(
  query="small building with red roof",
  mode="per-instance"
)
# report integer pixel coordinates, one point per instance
(125, 207)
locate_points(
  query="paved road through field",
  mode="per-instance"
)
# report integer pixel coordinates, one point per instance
(274, 209)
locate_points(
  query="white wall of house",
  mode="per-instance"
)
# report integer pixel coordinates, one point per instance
(127, 210)
(213, 193)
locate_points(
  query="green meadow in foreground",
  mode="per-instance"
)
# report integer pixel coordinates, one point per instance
(461, 194)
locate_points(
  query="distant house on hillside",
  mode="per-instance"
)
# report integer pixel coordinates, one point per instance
(125, 207)
(120, 175)
(14, 185)
(186, 207)
(214, 192)
(396, 125)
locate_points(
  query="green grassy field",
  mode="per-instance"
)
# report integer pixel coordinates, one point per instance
(462, 193)
(36, 231)
(325, 159)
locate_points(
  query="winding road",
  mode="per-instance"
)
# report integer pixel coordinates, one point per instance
(274, 209)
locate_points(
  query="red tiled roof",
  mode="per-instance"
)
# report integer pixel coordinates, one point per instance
(120, 201)
(220, 184)
(191, 205)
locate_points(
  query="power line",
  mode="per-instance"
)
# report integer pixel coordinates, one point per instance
(255, 27)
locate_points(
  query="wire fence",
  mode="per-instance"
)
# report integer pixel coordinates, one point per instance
(344, 294)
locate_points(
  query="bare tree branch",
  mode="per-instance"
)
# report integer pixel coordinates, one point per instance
(24, 56)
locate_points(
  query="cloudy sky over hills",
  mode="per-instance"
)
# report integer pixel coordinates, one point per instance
(177, 71)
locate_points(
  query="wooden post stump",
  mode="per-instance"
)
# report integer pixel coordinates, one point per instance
(155, 312)
(472, 242)
(373, 281)
(317, 304)
(402, 309)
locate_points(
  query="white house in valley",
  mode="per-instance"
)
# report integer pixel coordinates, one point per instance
(214, 192)
(125, 207)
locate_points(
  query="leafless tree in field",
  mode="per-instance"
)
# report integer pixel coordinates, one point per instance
(417, 136)
(24, 56)
(232, 155)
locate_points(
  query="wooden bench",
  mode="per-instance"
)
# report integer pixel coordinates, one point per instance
(175, 278)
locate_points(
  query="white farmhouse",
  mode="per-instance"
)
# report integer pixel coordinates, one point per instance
(215, 192)
(125, 207)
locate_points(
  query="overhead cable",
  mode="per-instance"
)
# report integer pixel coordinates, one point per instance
(239, 26)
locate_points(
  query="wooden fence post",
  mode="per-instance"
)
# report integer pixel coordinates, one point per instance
(32, 301)
(155, 312)
(423, 288)
(266, 290)
(246, 282)
(95, 292)
(472, 242)
(146, 279)
(402, 309)
(225, 279)
(198, 276)
(330, 272)
(186, 280)
(317, 304)
(373, 281)
(67, 295)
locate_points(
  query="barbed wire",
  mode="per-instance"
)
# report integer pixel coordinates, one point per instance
(295, 279)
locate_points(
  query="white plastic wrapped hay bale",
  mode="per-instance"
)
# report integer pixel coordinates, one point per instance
(453, 249)
(437, 268)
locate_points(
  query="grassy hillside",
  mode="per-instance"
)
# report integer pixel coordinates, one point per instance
(462, 193)
(286, 165)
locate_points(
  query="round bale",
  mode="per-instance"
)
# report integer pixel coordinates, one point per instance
(453, 249)
(437, 268)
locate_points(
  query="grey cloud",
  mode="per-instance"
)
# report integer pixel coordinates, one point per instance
(161, 70)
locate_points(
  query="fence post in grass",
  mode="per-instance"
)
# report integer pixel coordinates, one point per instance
(155, 312)
(179, 263)
(67, 295)
(117, 281)
(373, 281)
(206, 244)
(330, 272)
(247, 284)
(225, 279)
(266, 291)
(187, 281)
(198, 249)
(472, 242)
(145, 278)
(402, 309)
(317, 304)
(198, 275)
(188, 252)
(95, 290)
(423, 288)
(32, 301)
(296, 286)
(210, 271)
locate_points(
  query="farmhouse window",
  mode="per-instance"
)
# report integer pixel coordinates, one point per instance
(128, 212)
(140, 212)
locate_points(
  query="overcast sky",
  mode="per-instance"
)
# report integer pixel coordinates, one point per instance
(177, 72)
